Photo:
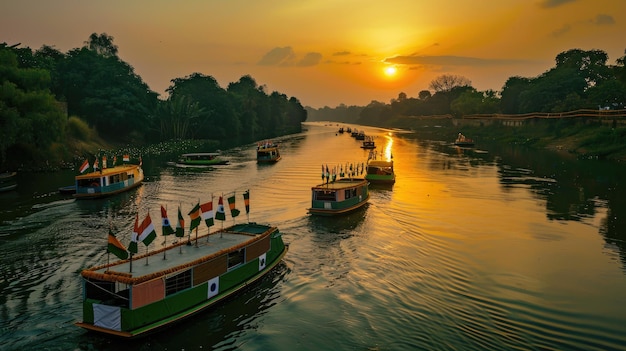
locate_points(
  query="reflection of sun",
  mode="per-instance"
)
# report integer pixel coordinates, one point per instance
(390, 71)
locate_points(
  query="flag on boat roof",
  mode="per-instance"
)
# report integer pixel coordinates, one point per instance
(180, 226)
(167, 226)
(126, 158)
(95, 164)
(221, 215)
(231, 204)
(104, 161)
(132, 246)
(246, 200)
(207, 212)
(84, 166)
(194, 214)
(115, 247)
(146, 232)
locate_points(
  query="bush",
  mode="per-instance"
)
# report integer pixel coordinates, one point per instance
(78, 129)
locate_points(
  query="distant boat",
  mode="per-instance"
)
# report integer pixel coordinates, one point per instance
(380, 172)
(339, 196)
(462, 140)
(201, 159)
(129, 300)
(267, 152)
(368, 143)
(108, 181)
(8, 181)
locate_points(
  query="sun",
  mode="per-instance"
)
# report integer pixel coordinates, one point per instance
(390, 71)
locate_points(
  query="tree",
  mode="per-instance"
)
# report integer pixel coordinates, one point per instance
(424, 95)
(447, 82)
(101, 44)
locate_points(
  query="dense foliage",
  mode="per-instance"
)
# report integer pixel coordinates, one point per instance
(580, 80)
(40, 90)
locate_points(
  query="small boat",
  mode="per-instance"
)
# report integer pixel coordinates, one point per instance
(462, 140)
(368, 143)
(108, 181)
(8, 181)
(202, 159)
(267, 152)
(360, 135)
(129, 301)
(340, 131)
(339, 196)
(380, 172)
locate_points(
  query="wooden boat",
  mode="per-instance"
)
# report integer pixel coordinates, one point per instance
(108, 181)
(339, 196)
(126, 300)
(380, 172)
(462, 140)
(368, 143)
(267, 152)
(8, 181)
(201, 159)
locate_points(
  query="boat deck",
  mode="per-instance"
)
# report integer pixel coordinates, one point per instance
(182, 253)
(340, 184)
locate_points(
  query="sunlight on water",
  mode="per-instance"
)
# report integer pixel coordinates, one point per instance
(470, 249)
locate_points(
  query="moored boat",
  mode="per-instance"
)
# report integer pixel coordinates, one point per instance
(202, 159)
(8, 181)
(181, 280)
(368, 143)
(267, 152)
(339, 196)
(108, 181)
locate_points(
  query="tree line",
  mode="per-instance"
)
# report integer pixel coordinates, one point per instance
(579, 80)
(48, 97)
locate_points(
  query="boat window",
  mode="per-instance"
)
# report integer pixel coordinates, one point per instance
(235, 258)
(106, 292)
(350, 193)
(177, 283)
(324, 195)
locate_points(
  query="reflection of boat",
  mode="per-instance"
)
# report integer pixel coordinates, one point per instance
(380, 172)
(202, 159)
(8, 181)
(127, 300)
(267, 152)
(462, 140)
(339, 196)
(368, 143)
(108, 181)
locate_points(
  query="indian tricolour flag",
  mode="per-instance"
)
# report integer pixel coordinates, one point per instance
(221, 215)
(84, 166)
(115, 247)
(207, 213)
(194, 214)
(180, 226)
(167, 227)
(146, 231)
(126, 158)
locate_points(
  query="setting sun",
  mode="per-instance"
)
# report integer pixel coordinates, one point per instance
(390, 71)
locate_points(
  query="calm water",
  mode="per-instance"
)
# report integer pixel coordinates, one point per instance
(495, 248)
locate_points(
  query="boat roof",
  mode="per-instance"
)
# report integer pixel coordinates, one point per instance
(179, 255)
(380, 163)
(108, 171)
(339, 184)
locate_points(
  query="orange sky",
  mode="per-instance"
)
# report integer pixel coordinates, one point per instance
(327, 52)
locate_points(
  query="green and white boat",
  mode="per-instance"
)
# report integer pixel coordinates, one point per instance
(201, 159)
(131, 300)
(338, 196)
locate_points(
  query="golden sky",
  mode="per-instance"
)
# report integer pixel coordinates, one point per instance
(327, 52)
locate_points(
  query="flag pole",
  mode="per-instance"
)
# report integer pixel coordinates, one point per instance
(165, 237)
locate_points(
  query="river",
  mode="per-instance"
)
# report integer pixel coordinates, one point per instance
(489, 248)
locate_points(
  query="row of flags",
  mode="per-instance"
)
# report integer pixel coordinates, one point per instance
(96, 164)
(350, 170)
(146, 233)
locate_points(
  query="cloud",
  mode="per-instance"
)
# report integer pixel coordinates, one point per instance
(562, 31)
(278, 57)
(603, 19)
(341, 53)
(449, 61)
(310, 59)
(554, 3)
